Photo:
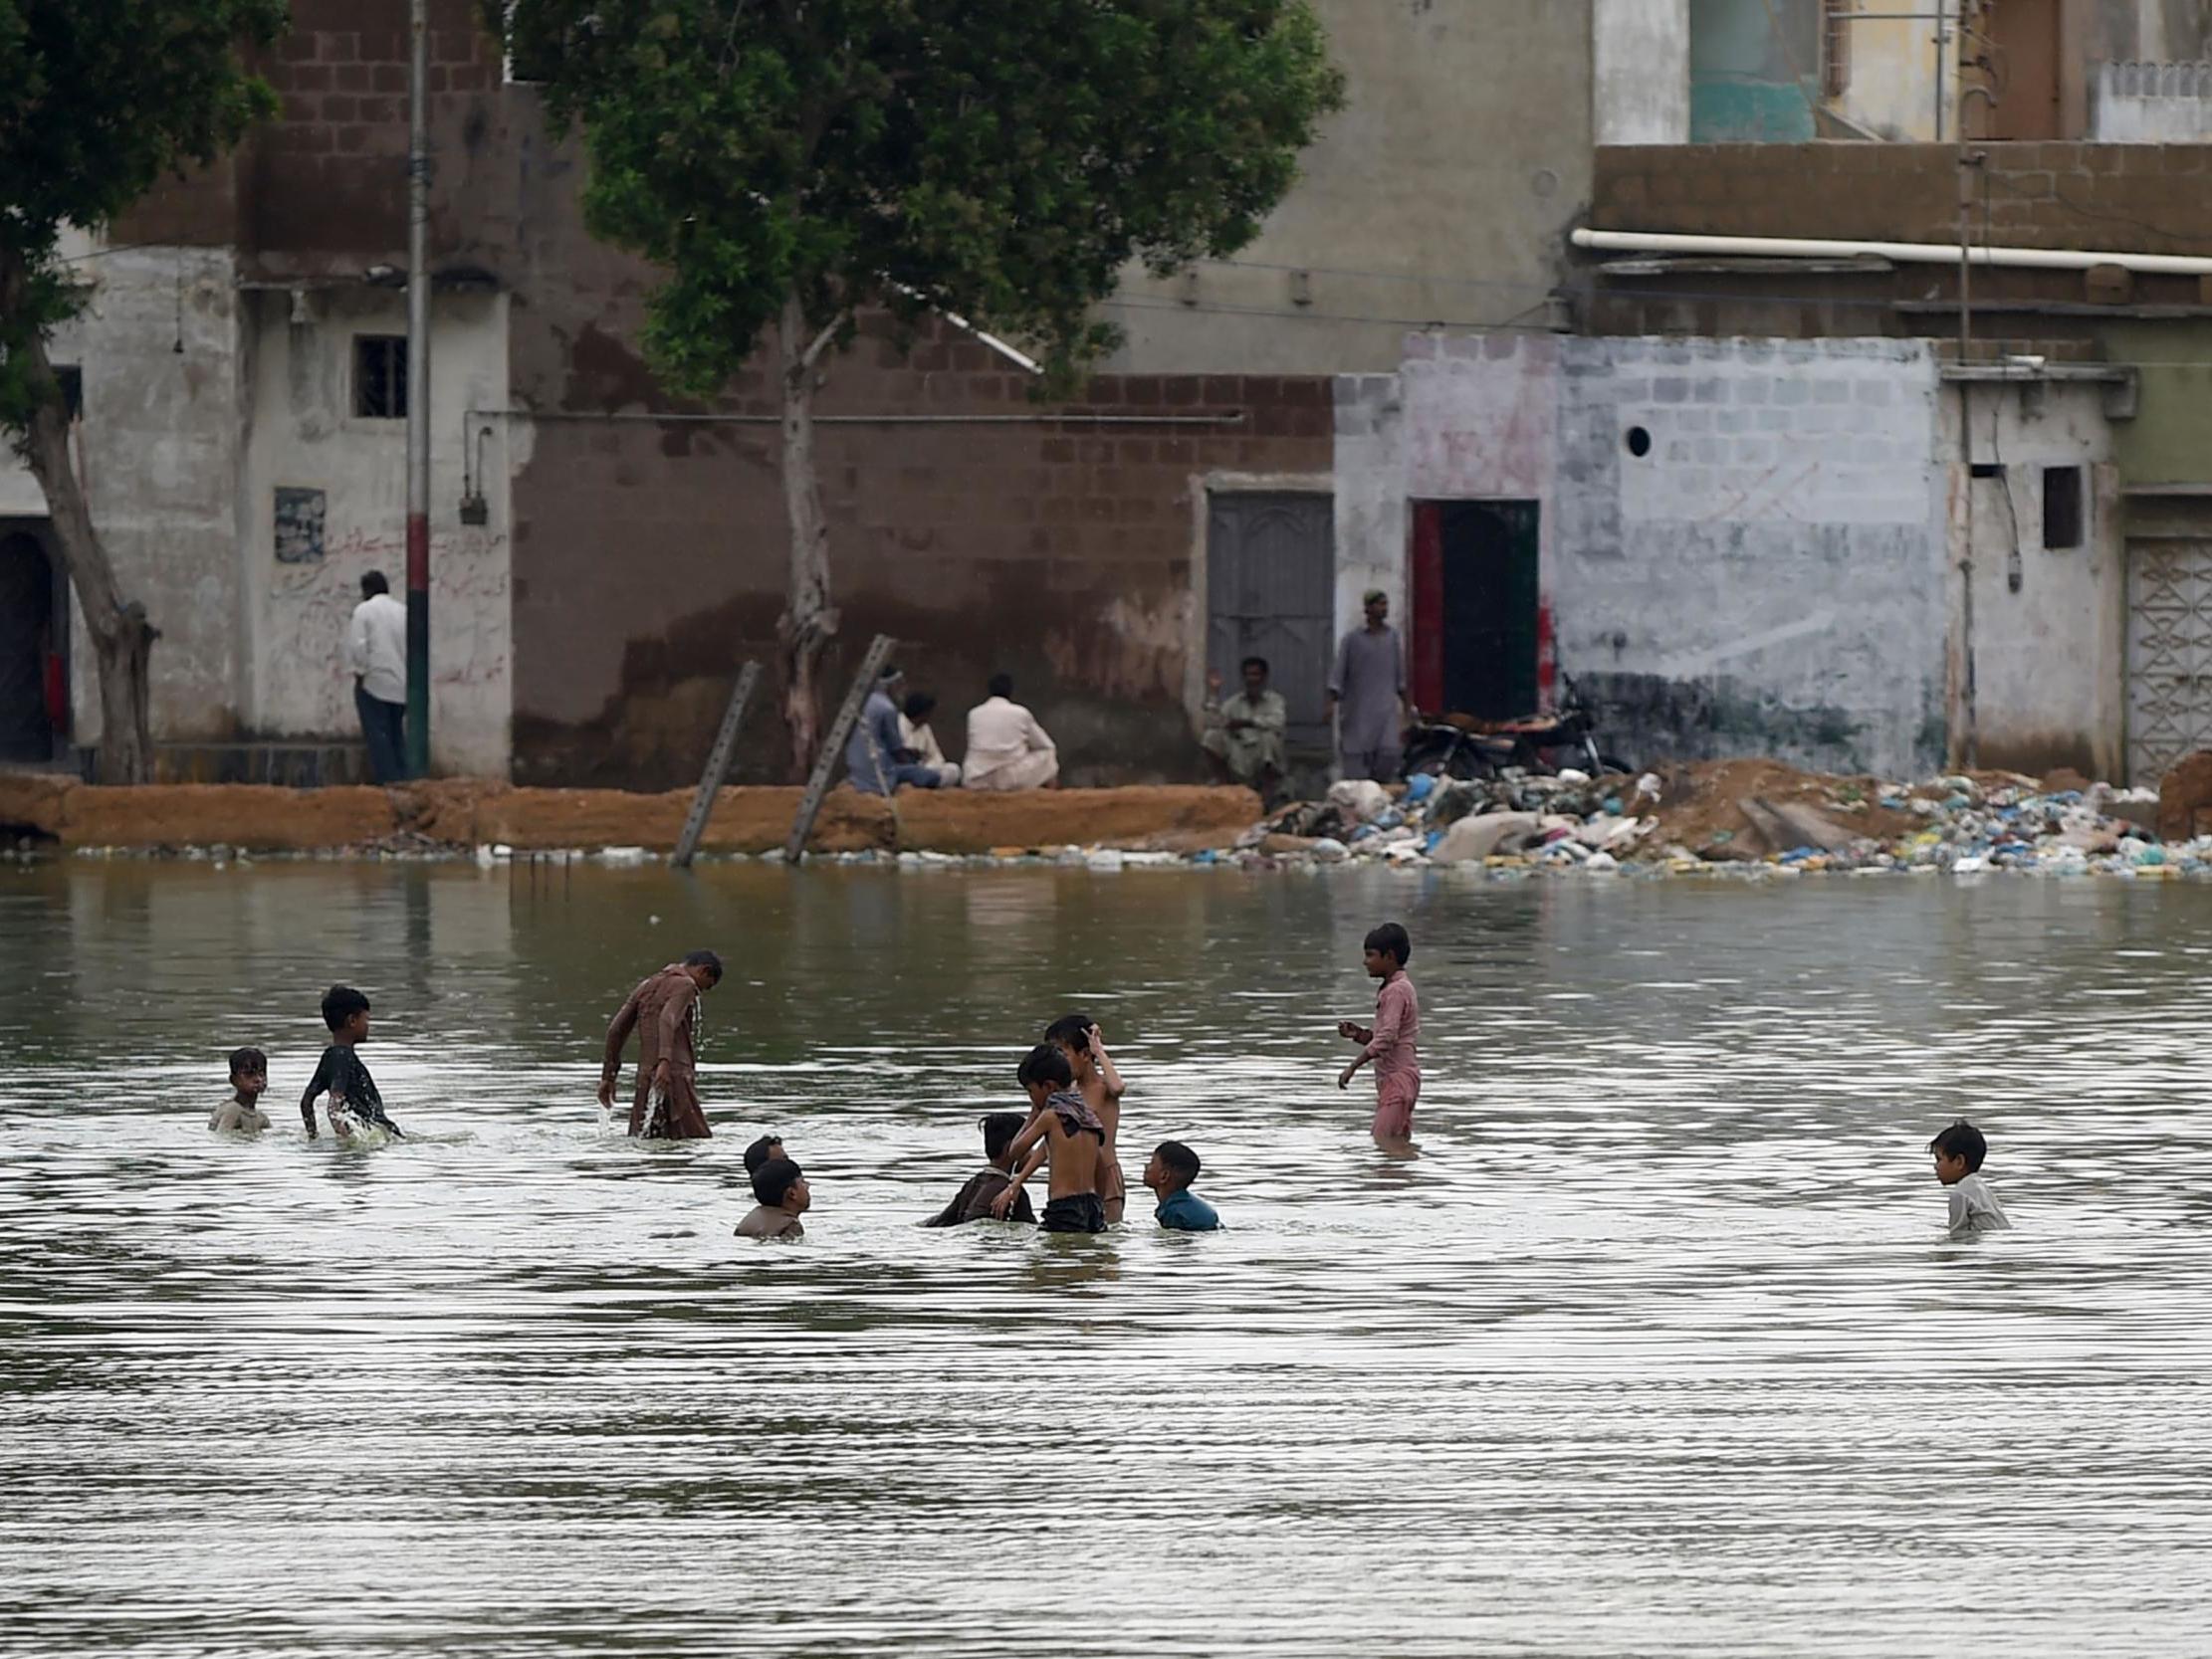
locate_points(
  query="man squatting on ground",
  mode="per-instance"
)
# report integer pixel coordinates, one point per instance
(664, 1012)
(1063, 1129)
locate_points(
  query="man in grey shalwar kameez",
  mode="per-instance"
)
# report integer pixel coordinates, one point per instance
(1366, 692)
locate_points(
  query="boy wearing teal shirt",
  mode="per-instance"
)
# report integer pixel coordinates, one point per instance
(1173, 1169)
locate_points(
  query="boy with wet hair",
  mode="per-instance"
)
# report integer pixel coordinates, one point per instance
(780, 1186)
(248, 1080)
(1062, 1127)
(1079, 1037)
(1173, 1169)
(1389, 1041)
(355, 1108)
(1958, 1153)
(760, 1151)
(973, 1202)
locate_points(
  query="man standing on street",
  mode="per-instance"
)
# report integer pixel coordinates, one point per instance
(376, 644)
(1367, 694)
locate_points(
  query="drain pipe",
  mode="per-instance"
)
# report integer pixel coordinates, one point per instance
(1902, 253)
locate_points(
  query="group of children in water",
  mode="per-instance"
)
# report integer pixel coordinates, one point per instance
(1070, 1130)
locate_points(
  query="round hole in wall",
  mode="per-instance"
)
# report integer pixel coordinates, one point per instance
(1639, 442)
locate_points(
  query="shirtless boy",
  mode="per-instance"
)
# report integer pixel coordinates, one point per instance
(355, 1108)
(1077, 1036)
(248, 1080)
(1063, 1129)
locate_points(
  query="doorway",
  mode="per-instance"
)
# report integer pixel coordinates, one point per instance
(31, 643)
(1477, 604)
(1270, 591)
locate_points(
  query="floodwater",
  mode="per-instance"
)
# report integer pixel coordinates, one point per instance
(1657, 1350)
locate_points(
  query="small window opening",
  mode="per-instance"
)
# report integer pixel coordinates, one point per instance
(71, 381)
(381, 376)
(2062, 506)
(1986, 469)
(1639, 442)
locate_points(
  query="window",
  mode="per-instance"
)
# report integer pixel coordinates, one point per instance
(2062, 506)
(381, 376)
(71, 381)
(1836, 46)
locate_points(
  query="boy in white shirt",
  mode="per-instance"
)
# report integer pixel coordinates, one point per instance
(1958, 1153)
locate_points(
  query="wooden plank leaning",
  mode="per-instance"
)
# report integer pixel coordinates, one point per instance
(718, 767)
(834, 745)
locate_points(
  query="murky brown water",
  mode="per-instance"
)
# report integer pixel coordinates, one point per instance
(1657, 1350)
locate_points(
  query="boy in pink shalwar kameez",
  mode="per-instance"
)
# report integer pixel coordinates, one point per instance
(1390, 1042)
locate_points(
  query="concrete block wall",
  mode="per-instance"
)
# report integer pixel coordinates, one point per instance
(1767, 579)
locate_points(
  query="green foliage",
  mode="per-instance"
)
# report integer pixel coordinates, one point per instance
(1001, 159)
(98, 100)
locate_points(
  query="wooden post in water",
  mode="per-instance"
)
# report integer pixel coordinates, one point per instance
(718, 767)
(833, 746)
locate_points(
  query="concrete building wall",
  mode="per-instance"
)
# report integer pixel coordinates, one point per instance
(2048, 626)
(1640, 72)
(1768, 579)
(310, 454)
(1441, 193)
(162, 360)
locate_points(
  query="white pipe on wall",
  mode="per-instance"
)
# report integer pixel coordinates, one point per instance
(1903, 253)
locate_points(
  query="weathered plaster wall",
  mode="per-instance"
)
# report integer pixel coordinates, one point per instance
(1639, 72)
(1754, 69)
(1441, 192)
(306, 436)
(2048, 625)
(1767, 580)
(164, 413)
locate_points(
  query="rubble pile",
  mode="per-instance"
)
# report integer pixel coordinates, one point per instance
(1753, 817)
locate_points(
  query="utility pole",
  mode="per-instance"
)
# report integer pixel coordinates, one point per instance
(418, 390)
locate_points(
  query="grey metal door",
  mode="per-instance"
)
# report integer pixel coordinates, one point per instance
(2169, 653)
(1270, 584)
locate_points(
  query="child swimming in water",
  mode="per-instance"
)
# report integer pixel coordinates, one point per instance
(248, 1080)
(1063, 1129)
(1390, 1042)
(1958, 1153)
(780, 1186)
(356, 1108)
(973, 1201)
(1173, 1169)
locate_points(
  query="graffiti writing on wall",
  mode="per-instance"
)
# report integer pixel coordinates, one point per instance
(309, 686)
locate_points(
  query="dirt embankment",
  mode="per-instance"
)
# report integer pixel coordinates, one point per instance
(467, 813)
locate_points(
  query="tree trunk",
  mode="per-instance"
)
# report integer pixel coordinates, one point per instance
(807, 621)
(122, 641)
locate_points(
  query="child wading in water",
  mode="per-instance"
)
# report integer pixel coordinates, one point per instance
(249, 1079)
(1064, 1127)
(1077, 1036)
(1388, 1043)
(1958, 1153)
(356, 1107)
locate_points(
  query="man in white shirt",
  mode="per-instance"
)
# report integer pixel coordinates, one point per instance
(377, 645)
(1006, 749)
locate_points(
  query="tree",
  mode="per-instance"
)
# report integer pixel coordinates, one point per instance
(99, 99)
(793, 163)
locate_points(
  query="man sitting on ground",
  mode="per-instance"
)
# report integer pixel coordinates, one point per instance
(1243, 736)
(876, 755)
(1006, 749)
(915, 732)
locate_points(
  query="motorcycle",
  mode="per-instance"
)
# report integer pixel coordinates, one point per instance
(1537, 743)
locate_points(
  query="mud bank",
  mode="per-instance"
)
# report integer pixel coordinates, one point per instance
(464, 814)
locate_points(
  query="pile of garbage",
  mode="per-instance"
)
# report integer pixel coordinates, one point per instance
(1752, 816)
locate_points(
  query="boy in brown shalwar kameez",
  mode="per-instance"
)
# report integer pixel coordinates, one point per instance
(664, 1010)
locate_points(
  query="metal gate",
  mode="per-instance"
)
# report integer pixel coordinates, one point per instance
(2169, 653)
(1271, 583)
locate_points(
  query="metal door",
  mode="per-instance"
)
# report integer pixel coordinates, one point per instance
(2169, 653)
(1490, 601)
(1270, 581)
